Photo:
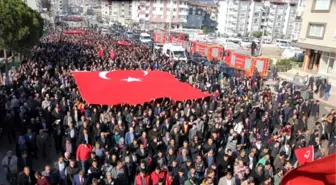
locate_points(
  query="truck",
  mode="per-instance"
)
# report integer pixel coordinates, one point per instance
(145, 38)
(175, 52)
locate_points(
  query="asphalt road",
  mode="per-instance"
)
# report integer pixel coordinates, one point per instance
(39, 164)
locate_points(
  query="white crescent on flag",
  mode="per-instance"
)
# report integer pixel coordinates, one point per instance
(307, 154)
(103, 75)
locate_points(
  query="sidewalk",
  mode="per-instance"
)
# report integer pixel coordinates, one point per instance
(330, 102)
(289, 75)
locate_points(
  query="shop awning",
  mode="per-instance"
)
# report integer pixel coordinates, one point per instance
(315, 47)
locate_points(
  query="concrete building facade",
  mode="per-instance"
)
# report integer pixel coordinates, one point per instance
(202, 16)
(160, 13)
(318, 37)
(118, 11)
(59, 7)
(243, 17)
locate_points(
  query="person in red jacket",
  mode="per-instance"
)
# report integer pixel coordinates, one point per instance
(142, 178)
(169, 179)
(157, 175)
(83, 154)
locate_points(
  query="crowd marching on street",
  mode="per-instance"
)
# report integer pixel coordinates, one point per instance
(243, 134)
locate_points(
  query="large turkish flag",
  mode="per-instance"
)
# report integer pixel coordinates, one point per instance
(319, 172)
(132, 87)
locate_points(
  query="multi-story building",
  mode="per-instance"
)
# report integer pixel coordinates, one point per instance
(243, 17)
(117, 11)
(298, 19)
(160, 13)
(59, 7)
(33, 4)
(318, 36)
(202, 15)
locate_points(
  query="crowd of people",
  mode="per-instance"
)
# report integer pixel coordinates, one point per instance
(242, 135)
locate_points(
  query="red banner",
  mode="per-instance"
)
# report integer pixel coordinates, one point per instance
(304, 155)
(319, 172)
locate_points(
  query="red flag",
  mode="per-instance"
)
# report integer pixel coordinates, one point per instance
(319, 172)
(304, 155)
(100, 52)
(124, 43)
(112, 55)
(132, 87)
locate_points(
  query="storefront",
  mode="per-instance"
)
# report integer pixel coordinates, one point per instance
(319, 59)
(327, 64)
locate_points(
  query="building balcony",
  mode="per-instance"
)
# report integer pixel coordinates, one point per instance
(184, 6)
(183, 13)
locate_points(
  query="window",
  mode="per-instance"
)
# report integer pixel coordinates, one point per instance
(316, 30)
(321, 5)
(256, 14)
(255, 20)
(146, 15)
(154, 8)
(328, 63)
(161, 9)
(168, 52)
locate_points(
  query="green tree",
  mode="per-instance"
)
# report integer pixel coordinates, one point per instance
(205, 30)
(20, 27)
(257, 34)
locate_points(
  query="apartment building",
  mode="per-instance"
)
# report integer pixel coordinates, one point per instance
(160, 13)
(318, 37)
(233, 17)
(202, 16)
(33, 4)
(59, 7)
(298, 19)
(243, 17)
(117, 11)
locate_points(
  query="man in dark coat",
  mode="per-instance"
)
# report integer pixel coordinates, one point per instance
(43, 141)
(26, 177)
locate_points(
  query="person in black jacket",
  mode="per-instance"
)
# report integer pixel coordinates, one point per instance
(258, 174)
(24, 161)
(26, 177)
(180, 178)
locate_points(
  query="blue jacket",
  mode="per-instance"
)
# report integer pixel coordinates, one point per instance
(76, 180)
(129, 137)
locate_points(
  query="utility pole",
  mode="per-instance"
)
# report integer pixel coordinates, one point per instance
(171, 15)
(266, 7)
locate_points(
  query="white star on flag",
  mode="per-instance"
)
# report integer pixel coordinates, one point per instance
(130, 79)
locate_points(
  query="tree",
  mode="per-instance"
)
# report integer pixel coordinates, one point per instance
(257, 34)
(20, 27)
(205, 30)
